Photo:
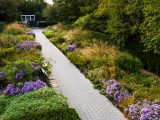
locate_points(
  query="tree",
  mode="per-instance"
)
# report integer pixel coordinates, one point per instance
(50, 13)
(8, 10)
(68, 10)
(150, 27)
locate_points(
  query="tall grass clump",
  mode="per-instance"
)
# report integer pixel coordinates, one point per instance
(15, 29)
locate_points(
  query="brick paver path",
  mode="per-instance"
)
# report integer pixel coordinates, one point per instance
(81, 95)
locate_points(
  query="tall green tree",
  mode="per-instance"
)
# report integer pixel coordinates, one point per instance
(8, 10)
(150, 27)
(50, 13)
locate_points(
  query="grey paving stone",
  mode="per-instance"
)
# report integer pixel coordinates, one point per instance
(87, 101)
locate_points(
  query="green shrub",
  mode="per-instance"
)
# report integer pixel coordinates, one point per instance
(127, 62)
(48, 33)
(4, 52)
(23, 66)
(147, 93)
(57, 39)
(97, 63)
(4, 101)
(25, 37)
(42, 104)
(7, 40)
(96, 75)
(144, 80)
(130, 82)
(76, 59)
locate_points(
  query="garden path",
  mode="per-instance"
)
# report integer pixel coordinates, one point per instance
(81, 95)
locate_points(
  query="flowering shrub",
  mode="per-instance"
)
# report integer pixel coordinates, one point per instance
(22, 71)
(145, 110)
(115, 91)
(28, 45)
(72, 47)
(31, 33)
(12, 90)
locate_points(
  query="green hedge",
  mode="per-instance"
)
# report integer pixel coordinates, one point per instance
(127, 62)
(42, 104)
(46, 23)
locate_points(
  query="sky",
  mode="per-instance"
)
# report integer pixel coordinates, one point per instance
(49, 1)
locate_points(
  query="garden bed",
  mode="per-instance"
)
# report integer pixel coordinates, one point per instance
(115, 73)
(25, 91)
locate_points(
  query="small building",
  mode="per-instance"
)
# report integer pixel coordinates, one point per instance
(29, 19)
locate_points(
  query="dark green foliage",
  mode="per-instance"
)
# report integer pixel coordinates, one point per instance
(150, 60)
(50, 12)
(12, 9)
(2, 25)
(42, 104)
(68, 10)
(46, 23)
(127, 62)
(8, 11)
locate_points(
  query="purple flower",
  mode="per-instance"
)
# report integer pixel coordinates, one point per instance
(115, 91)
(145, 110)
(28, 45)
(30, 33)
(72, 47)
(35, 66)
(27, 87)
(20, 75)
(9, 90)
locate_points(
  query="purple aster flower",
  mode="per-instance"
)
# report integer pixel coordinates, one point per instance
(28, 45)
(9, 90)
(72, 47)
(115, 91)
(35, 66)
(20, 75)
(145, 110)
(27, 87)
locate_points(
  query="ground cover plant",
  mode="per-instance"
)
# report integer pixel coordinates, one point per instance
(115, 73)
(40, 104)
(25, 91)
